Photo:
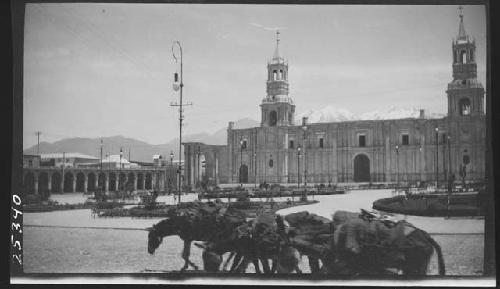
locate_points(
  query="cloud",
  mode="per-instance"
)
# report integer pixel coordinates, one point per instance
(266, 27)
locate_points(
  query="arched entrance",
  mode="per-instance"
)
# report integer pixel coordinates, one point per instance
(121, 181)
(29, 183)
(243, 174)
(361, 168)
(112, 182)
(43, 185)
(56, 183)
(101, 181)
(149, 181)
(91, 182)
(68, 182)
(80, 182)
(140, 180)
(130, 182)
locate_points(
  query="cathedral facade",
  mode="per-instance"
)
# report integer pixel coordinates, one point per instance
(372, 151)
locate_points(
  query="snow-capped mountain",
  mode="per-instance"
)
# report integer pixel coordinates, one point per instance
(326, 114)
(333, 114)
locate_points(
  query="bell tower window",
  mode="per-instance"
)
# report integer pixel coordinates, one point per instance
(273, 118)
(275, 75)
(465, 108)
(463, 56)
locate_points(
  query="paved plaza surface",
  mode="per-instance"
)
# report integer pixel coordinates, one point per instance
(100, 245)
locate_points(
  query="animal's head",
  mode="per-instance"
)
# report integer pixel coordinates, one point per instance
(157, 232)
(154, 239)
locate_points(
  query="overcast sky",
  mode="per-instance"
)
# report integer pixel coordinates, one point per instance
(94, 70)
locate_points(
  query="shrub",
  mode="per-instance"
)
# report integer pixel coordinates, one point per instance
(107, 205)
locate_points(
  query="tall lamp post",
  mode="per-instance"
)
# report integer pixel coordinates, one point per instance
(420, 163)
(397, 167)
(171, 167)
(176, 86)
(298, 170)
(255, 169)
(437, 158)
(304, 128)
(241, 161)
(120, 176)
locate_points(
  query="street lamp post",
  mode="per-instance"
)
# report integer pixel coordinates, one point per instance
(304, 128)
(397, 167)
(176, 87)
(198, 169)
(420, 163)
(120, 176)
(171, 167)
(437, 158)
(255, 168)
(241, 161)
(298, 170)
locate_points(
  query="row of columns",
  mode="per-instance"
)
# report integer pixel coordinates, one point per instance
(154, 180)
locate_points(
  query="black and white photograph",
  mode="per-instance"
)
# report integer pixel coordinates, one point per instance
(224, 143)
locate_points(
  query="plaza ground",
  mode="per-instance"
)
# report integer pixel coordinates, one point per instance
(81, 249)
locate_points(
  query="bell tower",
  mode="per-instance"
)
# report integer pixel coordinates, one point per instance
(277, 108)
(465, 92)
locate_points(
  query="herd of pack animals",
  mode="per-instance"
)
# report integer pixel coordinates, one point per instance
(351, 243)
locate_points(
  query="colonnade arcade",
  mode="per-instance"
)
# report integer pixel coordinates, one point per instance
(54, 180)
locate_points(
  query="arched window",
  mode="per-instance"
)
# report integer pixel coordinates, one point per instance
(463, 56)
(271, 163)
(281, 74)
(275, 75)
(464, 105)
(471, 56)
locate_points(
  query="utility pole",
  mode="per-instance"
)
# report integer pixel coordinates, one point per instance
(176, 87)
(120, 176)
(64, 163)
(437, 158)
(38, 133)
(103, 189)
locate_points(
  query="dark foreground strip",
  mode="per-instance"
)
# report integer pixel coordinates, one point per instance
(139, 229)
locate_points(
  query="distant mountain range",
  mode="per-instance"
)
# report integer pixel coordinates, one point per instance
(139, 150)
(142, 151)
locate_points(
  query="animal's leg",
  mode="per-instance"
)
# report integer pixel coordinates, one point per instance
(255, 262)
(226, 263)
(313, 264)
(236, 262)
(274, 264)
(265, 265)
(185, 255)
(243, 266)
